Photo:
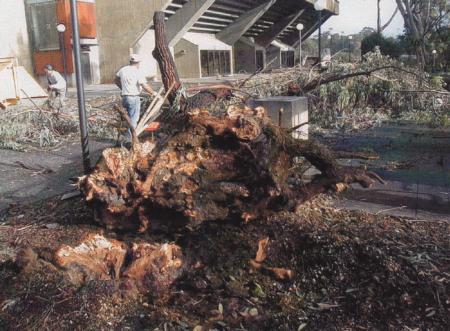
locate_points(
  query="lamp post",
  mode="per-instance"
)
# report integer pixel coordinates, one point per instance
(300, 28)
(349, 50)
(434, 52)
(319, 6)
(330, 38)
(61, 28)
(80, 87)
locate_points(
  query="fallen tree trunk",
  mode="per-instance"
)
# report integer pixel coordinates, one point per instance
(294, 89)
(206, 167)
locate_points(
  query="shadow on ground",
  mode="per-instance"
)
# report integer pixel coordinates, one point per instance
(36, 175)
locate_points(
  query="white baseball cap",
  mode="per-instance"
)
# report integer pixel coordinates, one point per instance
(135, 58)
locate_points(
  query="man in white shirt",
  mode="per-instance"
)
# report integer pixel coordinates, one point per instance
(131, 81)
(56, 85)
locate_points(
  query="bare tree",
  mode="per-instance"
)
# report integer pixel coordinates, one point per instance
(381, 28)
(422, 17)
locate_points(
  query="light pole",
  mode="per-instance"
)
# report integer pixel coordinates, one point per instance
(349, 51)
(61, 28)
(434, 52)
(319, 6)
(330, 37)
(80, 87)
(300, 28)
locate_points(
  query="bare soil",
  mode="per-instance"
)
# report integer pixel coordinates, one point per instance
(352, 271)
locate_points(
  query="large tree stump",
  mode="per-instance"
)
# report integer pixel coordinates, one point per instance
(207, 167)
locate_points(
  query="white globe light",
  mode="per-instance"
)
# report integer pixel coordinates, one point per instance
(319, 5)
(434, 51)
(300, 26)
(61, 27)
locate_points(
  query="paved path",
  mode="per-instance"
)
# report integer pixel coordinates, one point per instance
(388, 209)
(35, 175)
(414, 162)
(94, 91)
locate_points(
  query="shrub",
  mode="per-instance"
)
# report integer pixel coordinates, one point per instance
(388, 46)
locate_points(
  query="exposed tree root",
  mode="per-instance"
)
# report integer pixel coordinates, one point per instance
(206, 167)
(214, 169)
(140, 268)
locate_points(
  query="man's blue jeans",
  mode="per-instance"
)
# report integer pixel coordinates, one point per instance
(133, 106)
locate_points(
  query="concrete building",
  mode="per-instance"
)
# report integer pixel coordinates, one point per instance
(123, 27)
(280, 55)
(29, 31)
(256, 32)
(207, 37)
(202, 55)
(14, 34)
(249, 56)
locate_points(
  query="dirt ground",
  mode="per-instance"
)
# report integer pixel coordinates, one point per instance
(350, 271)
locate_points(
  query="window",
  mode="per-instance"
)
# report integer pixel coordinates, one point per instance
(287, 59)
(42, 21)
(204, 62)
(227, 63)
(215, 62)
(211, 64)
(259, 60)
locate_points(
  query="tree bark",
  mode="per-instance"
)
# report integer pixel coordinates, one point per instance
(378, 17)
(164, 57)
(389, 21)
(419, 23)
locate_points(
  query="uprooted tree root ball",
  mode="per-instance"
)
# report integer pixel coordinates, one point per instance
(206, 167)
(236, 166)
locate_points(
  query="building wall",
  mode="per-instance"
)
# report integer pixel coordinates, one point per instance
(14, 34)
(273, 53)
(87, 29)
(120, 24)
(330, 5)
(187, 59)
(244, 57)
(144, 48)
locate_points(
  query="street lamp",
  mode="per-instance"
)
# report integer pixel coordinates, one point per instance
(300, 27)
(349, 51)
(330, 37)
(61, 28)
(80, 87)
(434, 52)
(319, 5)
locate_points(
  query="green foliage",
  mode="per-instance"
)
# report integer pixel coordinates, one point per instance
(438, 40)
(437, 81)
(388, 46)
(390, 94)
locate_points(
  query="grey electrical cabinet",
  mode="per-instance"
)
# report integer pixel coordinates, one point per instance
(287, 112)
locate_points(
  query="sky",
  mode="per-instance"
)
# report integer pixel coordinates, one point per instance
(354, 15)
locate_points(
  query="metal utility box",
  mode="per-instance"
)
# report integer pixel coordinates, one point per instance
(287, 112)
